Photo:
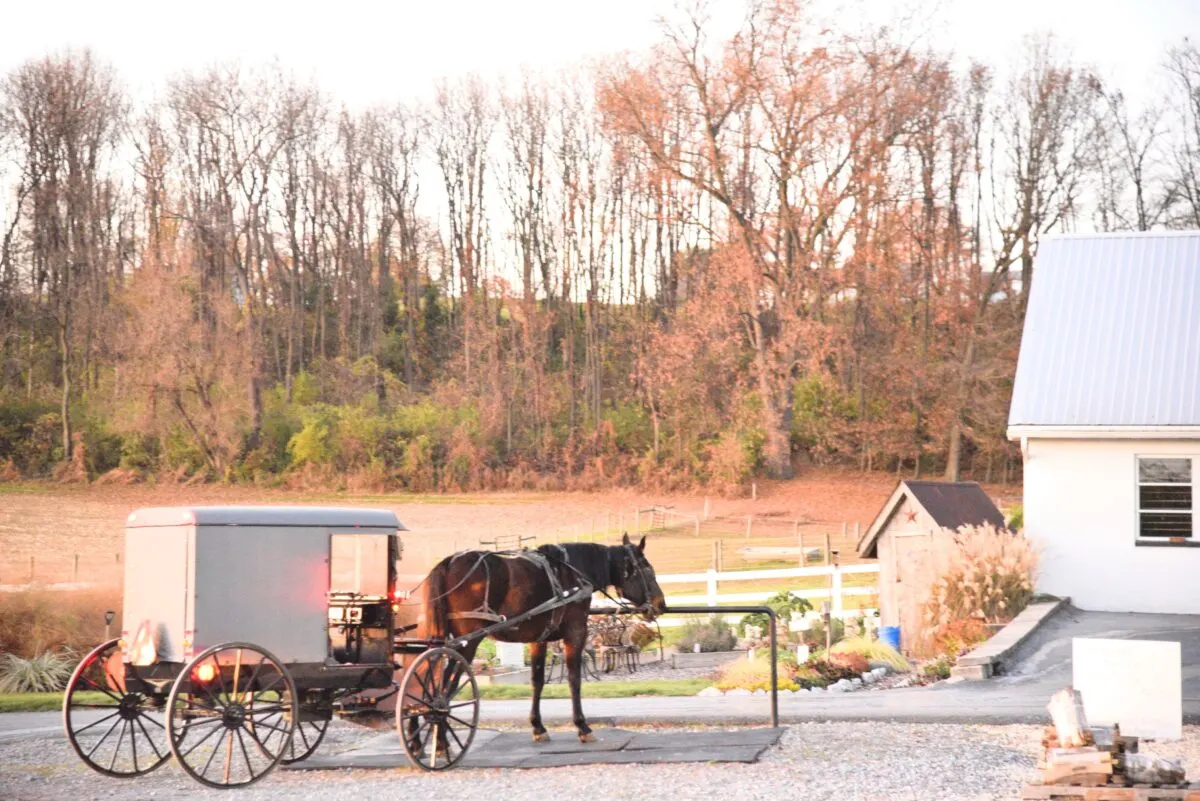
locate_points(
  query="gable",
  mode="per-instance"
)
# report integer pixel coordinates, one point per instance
(1112, 333)
(947, 504)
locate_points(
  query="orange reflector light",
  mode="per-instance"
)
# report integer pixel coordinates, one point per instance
(205, 673)
(395, 607)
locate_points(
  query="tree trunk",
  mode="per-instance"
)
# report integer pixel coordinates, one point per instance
(954, 456)
(777, 450)
(64, 347)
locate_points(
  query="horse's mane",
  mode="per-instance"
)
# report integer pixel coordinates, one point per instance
(592, 560)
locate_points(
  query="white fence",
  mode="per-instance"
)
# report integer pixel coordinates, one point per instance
(835, 593)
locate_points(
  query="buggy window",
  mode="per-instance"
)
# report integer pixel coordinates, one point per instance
(358, 563)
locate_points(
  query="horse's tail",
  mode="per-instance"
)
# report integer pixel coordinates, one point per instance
(437, 616)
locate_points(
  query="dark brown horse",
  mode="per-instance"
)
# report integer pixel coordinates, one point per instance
(474, 589)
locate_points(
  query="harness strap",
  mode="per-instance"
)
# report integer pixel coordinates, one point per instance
(478, 615)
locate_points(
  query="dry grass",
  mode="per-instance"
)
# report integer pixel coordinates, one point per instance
(33, 622)
(54, 524)
(979, 573)
(755, 674)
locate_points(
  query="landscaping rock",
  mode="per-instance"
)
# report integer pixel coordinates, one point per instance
(760, 692)
(869, 678)
(855, 683)
(738, 691)
(709, 692)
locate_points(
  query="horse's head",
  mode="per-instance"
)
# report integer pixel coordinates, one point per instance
(638, 583)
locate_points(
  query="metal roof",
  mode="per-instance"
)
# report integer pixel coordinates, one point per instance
(951, 504)
(1112, 333)
(300, 516)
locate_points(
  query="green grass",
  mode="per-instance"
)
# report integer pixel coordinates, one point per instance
(605, 689)
(43, 702)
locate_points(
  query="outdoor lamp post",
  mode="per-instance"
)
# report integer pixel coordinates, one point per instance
(825, 617)
(108, 619)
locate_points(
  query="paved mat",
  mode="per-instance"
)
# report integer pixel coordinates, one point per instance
(492, 749)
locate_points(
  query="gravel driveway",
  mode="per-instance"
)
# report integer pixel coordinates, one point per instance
(846, 761)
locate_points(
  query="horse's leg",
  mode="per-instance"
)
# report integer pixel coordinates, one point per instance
(573, 655)
(537, 676)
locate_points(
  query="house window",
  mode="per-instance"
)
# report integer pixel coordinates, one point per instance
(1165, 505)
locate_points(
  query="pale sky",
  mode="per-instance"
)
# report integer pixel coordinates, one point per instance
(370, 52)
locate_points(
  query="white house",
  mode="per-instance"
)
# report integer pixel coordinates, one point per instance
(1106, 407)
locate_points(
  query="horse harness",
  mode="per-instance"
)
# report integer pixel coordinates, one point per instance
(556, 605)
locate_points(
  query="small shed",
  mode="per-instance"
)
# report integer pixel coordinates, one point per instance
(902, 536)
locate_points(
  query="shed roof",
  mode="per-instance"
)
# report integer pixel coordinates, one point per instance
(284, 516)
(951, 504)
(1112, 333)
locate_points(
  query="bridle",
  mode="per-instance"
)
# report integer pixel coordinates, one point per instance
(627, 572)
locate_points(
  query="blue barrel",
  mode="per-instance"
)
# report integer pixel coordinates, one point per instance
(890, 635)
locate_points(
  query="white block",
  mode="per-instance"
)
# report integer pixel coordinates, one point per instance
(510, 654)
(1135, 683)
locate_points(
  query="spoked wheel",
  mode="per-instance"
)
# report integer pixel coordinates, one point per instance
(306, 738)
(115, 732)
(438, 709)
(232, 715)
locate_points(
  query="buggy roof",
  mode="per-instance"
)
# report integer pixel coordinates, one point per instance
(276, 516)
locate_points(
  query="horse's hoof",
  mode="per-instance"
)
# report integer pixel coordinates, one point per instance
(587, 738)
(544, 737)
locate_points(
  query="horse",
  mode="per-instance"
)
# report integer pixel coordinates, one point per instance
(474, 589)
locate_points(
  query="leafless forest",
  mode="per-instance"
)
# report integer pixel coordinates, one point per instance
(712, 260)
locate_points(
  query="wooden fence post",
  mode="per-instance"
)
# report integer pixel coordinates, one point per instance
(75, 571)
(697, 525)
(31, 568)
(716, 556)
(705, 507)
(800, 544)
(749, 523)
(828, 549)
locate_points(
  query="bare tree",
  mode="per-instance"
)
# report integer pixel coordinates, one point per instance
(1183, 69)
(1128, 194)
(66, 113)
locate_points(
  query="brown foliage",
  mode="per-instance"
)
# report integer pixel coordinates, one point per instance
(709, 261)
(36, 621)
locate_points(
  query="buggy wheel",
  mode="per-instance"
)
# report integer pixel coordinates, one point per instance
(232, 713)
(305, 739)
(114, 731)
(438, 709)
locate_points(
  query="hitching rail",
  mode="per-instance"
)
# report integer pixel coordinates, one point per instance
(710, 610)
